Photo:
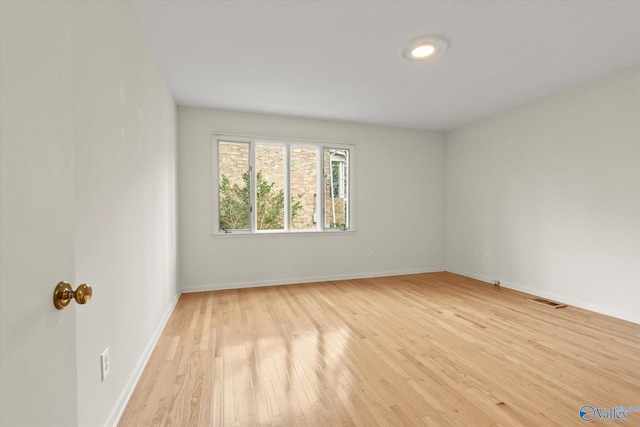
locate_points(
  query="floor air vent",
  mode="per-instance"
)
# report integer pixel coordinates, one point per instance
(547, 302)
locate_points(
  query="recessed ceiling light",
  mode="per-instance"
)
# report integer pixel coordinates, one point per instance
(424, 48)
(423, 51)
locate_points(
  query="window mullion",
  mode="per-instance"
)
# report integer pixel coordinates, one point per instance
(319, 189)
(252, 187)
(287, 187)
(322, 191)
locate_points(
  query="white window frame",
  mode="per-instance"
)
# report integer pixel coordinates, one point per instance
(288, 143)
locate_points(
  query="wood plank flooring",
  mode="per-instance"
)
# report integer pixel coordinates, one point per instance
(433, 349)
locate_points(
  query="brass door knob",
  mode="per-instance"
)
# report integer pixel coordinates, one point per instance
(63, 294)
(83, 294)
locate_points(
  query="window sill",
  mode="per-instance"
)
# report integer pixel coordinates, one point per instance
(271, 234)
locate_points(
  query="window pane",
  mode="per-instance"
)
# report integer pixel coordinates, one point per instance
(270, 187)
(233, 164)
(336, 187)
(303, 185)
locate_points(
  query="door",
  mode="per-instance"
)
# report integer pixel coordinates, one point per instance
(37, 342)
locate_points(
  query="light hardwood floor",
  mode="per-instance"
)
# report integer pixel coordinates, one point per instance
(433, 349)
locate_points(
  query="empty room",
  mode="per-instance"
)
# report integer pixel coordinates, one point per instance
(319, 213)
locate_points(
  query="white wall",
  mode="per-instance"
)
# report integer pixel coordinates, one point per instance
(546, 197)
(399, 206)
(125, 191)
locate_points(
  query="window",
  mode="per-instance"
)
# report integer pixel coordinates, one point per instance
(234, 186)
(265, 185)
(335, 175)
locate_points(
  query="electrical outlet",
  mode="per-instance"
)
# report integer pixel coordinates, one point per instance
(105, 363)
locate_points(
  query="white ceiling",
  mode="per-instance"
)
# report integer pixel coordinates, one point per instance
(342, 59)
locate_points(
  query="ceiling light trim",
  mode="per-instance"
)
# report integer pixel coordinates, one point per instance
(439, 44)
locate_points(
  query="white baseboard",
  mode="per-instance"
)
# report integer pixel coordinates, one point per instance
(554, 296)
(125, 395)
(261, 283)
